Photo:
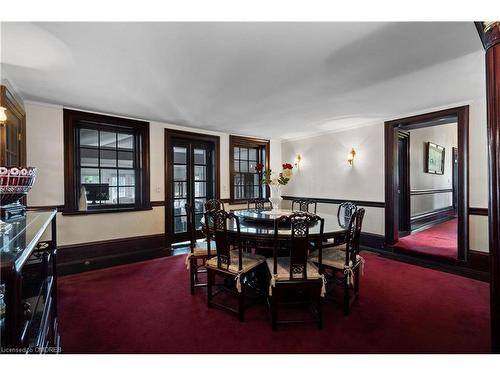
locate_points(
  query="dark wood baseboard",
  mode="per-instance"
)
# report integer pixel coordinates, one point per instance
(479, 260)
(372, 241)
(102, 254)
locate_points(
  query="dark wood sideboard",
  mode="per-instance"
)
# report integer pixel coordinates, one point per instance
(28, 282)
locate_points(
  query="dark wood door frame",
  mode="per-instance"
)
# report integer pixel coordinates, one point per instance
(490, 37)
(170, 134)
(391, 174)
(404, 184)
(454, 176)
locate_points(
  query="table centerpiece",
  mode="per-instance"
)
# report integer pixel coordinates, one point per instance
(275, 182)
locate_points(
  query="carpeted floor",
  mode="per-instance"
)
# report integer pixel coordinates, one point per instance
(438, 241)
(146, 307)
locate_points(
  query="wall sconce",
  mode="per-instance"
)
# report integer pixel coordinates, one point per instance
(3, 115)
(298, 158)
(350, 156)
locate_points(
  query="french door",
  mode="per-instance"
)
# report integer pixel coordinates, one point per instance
(192, 181)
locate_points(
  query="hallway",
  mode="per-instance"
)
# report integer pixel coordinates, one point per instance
(438, 241)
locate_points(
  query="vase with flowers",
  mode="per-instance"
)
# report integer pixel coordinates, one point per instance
(275, 182)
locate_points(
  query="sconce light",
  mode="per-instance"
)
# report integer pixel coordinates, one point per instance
(298, 158)
(3, 115)
(350, 156)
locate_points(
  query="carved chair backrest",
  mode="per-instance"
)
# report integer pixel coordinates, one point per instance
(216, 228)
(354, 235)
(344, 213)
(298, 244)
(257, 203)
(303, 204)
(214, 204)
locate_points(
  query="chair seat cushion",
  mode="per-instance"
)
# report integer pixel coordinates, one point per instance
(332, 257)
(201, 249)
(335, 257)
(283, 269)
(249, 261)
(283, 273)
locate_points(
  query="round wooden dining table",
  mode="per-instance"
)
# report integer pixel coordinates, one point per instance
(258, 225)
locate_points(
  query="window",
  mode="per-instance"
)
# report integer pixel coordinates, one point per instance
(244, 154)
(106, 163)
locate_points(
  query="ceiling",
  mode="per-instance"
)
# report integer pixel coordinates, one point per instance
(278, 80)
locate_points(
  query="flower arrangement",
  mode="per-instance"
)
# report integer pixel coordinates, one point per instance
(268, 178)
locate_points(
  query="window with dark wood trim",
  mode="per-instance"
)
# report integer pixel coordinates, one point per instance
(244, 154)
(106, 163)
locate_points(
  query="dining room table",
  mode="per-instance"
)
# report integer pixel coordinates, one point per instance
(258, 225)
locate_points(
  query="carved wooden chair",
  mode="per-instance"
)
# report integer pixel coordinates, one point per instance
(344, 266)
(199, 252)
(214, 204)
(257, 203)
(303, 205)
(295, 272)
(230, 262)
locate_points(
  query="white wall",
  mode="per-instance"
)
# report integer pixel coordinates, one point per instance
(325, 173)
(442, 135)
(44, 125)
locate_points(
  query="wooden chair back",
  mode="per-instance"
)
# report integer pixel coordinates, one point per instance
(214, 204)
(303, 204)
(344, 213)
(354, 235)
(216, 228)
(257, 203)
(298, 243)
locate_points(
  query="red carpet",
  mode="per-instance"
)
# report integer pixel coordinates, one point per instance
(439, 241)
(146, 308)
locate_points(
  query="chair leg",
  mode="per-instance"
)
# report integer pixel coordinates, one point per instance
(192, 270)
(346, 297)
(274, 311)
(241, 306)
(210, 279)
(357, 279)
(320, 309)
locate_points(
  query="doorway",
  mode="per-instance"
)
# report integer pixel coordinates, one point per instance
(401, 196)
(191, 177)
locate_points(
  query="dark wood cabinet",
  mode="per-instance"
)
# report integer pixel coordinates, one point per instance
(13, 131)
(28, 280)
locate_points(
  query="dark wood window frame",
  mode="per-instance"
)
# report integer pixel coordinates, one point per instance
(248, 142)
(140, 129)
(170, 135)
(14, 106)
(391, 174)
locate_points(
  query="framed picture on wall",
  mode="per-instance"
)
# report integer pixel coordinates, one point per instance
(434, 158)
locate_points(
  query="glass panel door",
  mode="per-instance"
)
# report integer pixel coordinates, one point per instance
(193, 183)
(180, 182)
